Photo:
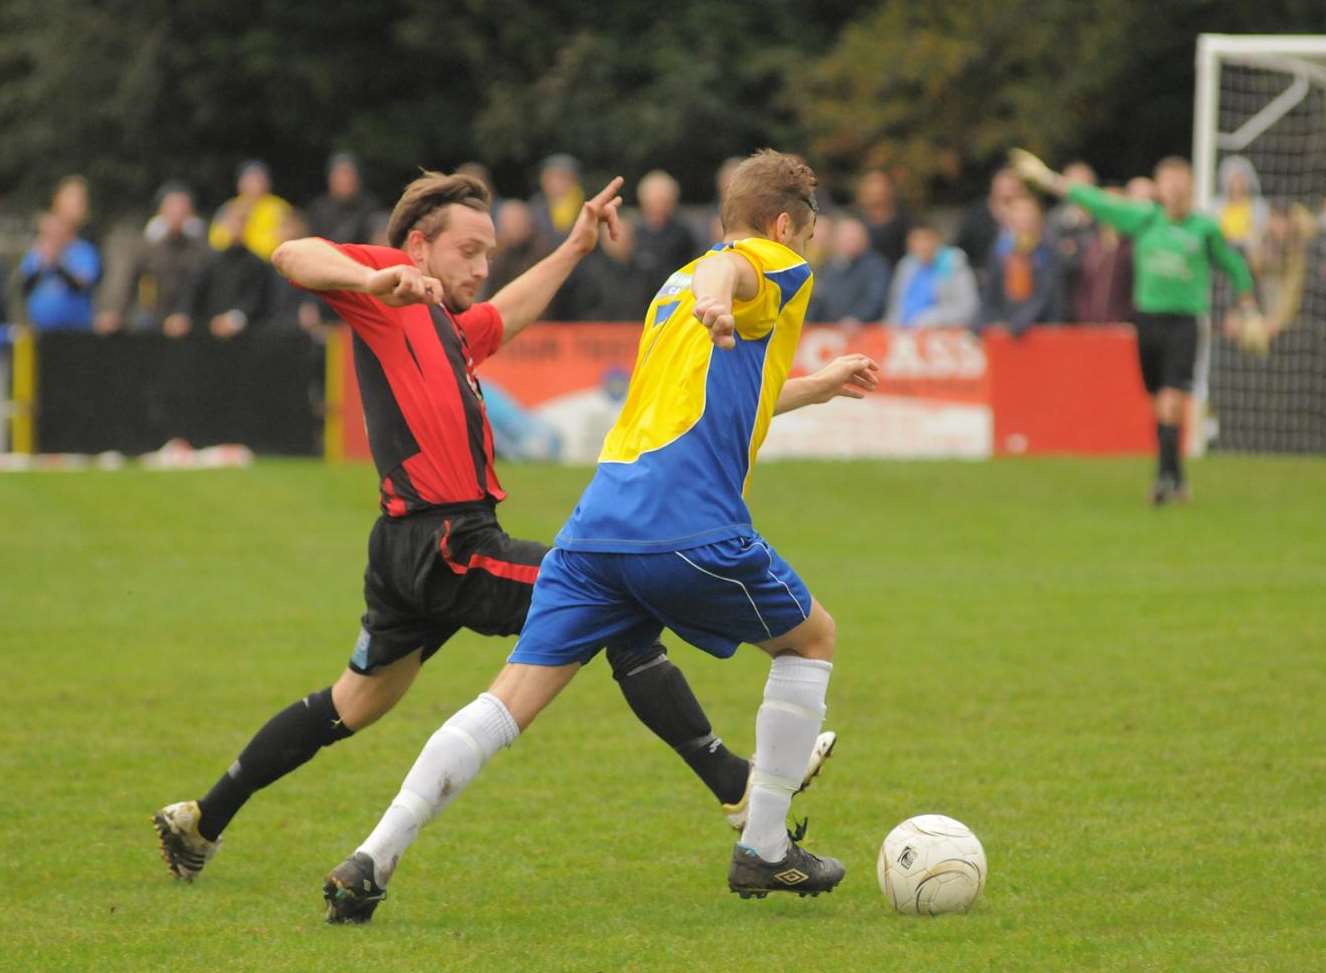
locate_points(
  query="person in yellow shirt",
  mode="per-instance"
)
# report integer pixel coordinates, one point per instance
(662, 537)
(265, 212)
(1240, 208)
(559, 198)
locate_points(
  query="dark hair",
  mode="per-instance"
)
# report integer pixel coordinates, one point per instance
(765, 185)
(560, 161)
(67, 181)
(877, 171)
(170, 188)
(342, 158)
(423, 205)
(247, 164)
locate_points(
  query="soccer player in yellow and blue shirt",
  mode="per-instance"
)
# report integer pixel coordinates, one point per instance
(662, 537)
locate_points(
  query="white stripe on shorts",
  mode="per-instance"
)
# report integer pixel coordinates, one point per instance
(734, 581)
(769, 554)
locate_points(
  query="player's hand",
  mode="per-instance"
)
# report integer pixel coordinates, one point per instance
(401, 285)
(716, 316)
(849, 376)
(1032, 170)
(1254, 334)
(602, 210)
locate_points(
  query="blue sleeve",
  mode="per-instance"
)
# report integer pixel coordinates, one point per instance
(82, 261)
(30, 265)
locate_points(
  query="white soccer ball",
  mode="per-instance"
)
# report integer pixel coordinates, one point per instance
(931, 864)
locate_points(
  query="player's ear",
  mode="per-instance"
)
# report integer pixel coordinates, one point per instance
(783, 228)
(416, 246)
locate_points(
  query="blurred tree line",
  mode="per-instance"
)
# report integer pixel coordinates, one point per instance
(133, 92)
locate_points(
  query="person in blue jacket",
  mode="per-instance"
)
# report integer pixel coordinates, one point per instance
(1023, 285)
(57, 277)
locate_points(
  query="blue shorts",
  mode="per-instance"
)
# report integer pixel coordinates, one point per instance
(715, 597)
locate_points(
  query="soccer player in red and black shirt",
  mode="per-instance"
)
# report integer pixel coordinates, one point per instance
(438, 561)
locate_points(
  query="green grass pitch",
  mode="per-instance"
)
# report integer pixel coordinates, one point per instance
(1128, 706)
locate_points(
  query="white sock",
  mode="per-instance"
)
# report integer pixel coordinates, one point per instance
(450, 759)
(785, 730)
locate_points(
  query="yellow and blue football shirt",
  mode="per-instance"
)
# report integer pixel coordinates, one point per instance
(674, 469)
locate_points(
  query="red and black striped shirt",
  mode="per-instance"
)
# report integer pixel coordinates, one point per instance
(423, 405)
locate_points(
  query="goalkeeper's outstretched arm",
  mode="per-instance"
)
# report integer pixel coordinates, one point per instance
(1124, 215)
(1036, 173)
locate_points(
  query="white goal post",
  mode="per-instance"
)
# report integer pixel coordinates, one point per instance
(1259, 166)
(1300, 58)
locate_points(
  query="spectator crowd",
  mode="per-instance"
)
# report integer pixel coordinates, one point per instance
(1007, 264)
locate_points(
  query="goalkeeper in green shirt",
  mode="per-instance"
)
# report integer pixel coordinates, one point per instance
(1174, 250)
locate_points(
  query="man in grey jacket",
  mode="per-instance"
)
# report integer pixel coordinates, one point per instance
(852, 286)
(933, 285)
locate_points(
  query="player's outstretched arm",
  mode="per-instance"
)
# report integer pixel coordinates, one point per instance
(522, 301)
(850, 376)
(315, 264)
(1036, 173)
(719, 279)
(1125, 215)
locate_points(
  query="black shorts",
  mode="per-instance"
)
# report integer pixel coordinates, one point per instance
(1167, 350)
(433, 573)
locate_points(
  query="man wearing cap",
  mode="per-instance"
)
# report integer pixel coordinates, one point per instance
(557, 203)
(264, 211)
(344, 214)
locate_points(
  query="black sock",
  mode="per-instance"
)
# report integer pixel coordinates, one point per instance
(287, 741)
(661, 698)
(1167, 437)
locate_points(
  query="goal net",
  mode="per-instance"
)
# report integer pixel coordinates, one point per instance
(1259, 154)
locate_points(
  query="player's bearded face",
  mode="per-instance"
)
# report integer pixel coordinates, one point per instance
(458, 256)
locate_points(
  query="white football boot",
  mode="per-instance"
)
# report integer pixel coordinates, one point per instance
(184, 849)
(736, 813)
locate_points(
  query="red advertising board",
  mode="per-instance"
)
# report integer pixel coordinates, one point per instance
(943, 392)
(1068, 390)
